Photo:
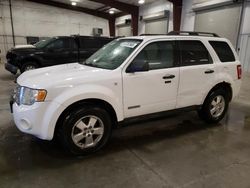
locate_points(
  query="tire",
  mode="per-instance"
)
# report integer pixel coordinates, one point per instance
(83, 125)
(215, 106)
(28, 66)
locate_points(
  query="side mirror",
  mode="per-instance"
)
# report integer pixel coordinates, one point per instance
(138, 66)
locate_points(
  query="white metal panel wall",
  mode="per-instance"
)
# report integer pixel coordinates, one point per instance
(223, 21)
(159, 26)
(32, 19)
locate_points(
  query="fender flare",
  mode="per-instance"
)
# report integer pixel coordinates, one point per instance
(221, 78)
(63, 101)
(29, 58)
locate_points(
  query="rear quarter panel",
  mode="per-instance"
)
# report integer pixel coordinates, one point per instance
(225, 71)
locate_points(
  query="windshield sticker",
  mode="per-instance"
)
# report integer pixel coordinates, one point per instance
(128, 44)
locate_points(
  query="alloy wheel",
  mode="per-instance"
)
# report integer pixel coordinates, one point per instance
(87, 131)
(217, 106)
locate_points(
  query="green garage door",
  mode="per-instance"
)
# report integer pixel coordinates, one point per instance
(245, 52)
(223, 21)
(159, 26)
(124, 30)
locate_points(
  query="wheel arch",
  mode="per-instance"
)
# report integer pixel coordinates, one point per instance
(76, 96)
(29, 59)
(91, 101)
(222, 85)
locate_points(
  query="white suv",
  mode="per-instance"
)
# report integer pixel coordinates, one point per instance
(80, 103)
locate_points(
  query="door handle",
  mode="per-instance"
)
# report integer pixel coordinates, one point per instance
(168, 76)
(209, 71)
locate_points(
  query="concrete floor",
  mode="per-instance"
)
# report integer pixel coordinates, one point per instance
(177, 151)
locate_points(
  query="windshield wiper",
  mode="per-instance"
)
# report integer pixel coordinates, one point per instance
(90, 64)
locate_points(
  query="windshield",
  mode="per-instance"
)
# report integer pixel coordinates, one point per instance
(113, 54)
(43, 43)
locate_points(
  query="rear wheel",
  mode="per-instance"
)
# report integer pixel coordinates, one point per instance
(85, 130)
(215, 106)
(29, 66)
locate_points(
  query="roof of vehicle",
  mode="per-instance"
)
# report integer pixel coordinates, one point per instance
(155, 37)
(181, 35)
(83, 36)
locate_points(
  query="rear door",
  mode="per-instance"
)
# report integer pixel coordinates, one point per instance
(197, 72)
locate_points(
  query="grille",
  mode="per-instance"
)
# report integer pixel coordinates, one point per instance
(10, 55)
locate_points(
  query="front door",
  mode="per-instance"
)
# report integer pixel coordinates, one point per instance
(154, 90)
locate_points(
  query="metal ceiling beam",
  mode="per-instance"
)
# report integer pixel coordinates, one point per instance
(120, 14)
(100, 8)
(74, 8)
(103, 8)
(125, 8)
(119, 5)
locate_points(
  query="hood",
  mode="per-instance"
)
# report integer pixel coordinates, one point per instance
(23, 49)
(24, 46)
(66, 75)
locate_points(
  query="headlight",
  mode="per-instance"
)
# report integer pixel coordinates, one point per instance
(28, 96)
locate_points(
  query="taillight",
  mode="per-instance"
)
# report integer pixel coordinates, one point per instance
(239, 71)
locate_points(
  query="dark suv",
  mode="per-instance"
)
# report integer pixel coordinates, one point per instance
(53, 51)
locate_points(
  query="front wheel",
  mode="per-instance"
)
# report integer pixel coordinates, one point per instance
(85, 130)
(215, 106)
(28, 66)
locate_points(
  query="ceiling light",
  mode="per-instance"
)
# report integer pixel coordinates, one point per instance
(111, 12)
(141, 1)
(73, 3)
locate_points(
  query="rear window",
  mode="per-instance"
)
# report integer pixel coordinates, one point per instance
(93, 43)
(223, 51)
(89, 43)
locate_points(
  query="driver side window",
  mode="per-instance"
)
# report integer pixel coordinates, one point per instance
(159, 55)
(59, 44)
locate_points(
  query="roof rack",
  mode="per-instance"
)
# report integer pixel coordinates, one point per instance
(192, 33)
(151, 34)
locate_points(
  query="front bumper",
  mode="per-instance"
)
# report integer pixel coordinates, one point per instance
(11, 68)
(33, 119)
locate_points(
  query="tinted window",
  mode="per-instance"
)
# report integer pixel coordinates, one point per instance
(44, 43)
(105, 41)
(93, 42)
(223, 51)
(194, 53)
(59, 44)
(159, 55)
(90, 43)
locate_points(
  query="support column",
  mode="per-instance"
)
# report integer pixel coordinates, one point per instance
(135, 22)
(11, 21)
(112, 26)
(177, 9)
